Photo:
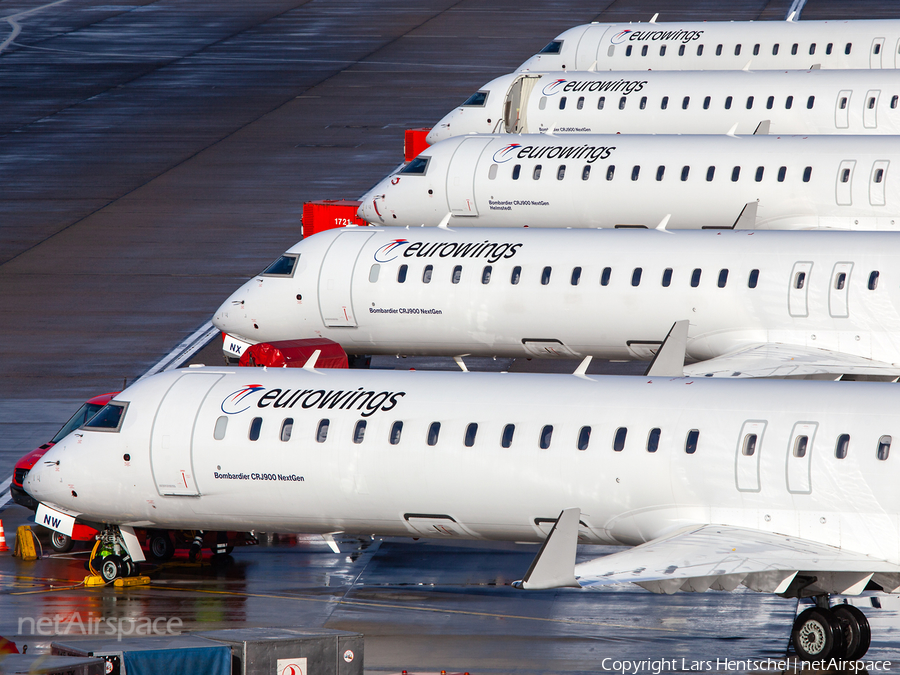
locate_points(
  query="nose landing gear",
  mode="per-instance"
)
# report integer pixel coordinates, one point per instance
(111, 559)
(823, 632)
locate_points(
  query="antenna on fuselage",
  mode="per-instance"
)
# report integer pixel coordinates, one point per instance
(445, 221)
(663, 223)
(311, 361)
(654, 18)
(581, 370)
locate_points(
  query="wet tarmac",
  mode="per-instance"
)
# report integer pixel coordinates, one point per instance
(154, 155)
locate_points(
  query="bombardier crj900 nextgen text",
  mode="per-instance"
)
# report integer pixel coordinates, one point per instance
(681, 102)
(540, 180)
(788, 304)
(785, 487)
(723, 45)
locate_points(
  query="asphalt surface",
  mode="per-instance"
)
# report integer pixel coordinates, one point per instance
(153, 156)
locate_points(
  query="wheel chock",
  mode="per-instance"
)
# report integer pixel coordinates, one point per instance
(131, 581)
(93, 580)
(25, 544)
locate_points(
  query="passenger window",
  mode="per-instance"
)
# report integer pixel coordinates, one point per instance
(723, 278)
(788, 102)
(680, 50)
(610, 172)
(685, 102)
(506, 438)
(255, 427)
(807, 174)
(749, 447)
(756, 50)
(396, 431)
(728, 100)
(873, 280)
(486, 274)
(287, 428)
(843, 103)
(536, 174)
(794, 48)
(749, 102)
(492, 172)
(753, 279)
(871, 102)
(545, 276)
(879, 175)
(799, 280)
(699, 50)
(695, 277)
(706, 103)
(576, 275)
(710, 174)
(600, 102)
(546, 435)
(759, 174)
(812, 48)
(884, 447)
(401, 273)
(800, 446)
(322, 431)
(457, 273)
(635, 172)
(434, 430)
(737, 50)
(667, 277)
(775, 49)
(586, 172)
(221, 425)
(735, 174)
(516, 275)
(718, 50)
(636, 276)
(664, 103)
(471, 430)
(643, 102)
(829, 47)
(619, 440)
(426, 274)
(685, 171)
(660, 172)
(561, 172)
(604, 276)
(662, 50)
(840, 280)
(770, 102)
(845, 175)
(782, 172)
(848, 47)
(584, 438)
(811, 101)
(580, 104)
(373, 273)
(359, 432)
(894, 102)
(516, 170)
(690, 443)
(842, 446)
(653, 440)
(562, 103)
(622, 102)
(644, 50)
(876, 48)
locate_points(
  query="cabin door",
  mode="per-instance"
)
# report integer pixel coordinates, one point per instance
(461, 176)
(842, 109)
(172, 438)
(798, 293)
(335, 283)
(876, 53)
(515, 108)
(870, 110)
(839, 290)
(746, 460)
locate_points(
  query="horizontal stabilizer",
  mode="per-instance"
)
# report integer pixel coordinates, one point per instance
(554, 565)
(701, 557)
(669, 358)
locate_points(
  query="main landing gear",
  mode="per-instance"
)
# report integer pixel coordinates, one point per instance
(823, 632)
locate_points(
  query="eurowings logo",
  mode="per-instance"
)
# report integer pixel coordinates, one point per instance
(389, 251)
(619, 38)
(506, 153)
(237, 402)
(553, 88)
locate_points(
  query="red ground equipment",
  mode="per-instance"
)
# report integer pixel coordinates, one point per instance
(295, 354)
(327, 214)
(413, 143)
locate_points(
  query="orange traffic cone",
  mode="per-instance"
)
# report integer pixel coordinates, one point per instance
(3, 547)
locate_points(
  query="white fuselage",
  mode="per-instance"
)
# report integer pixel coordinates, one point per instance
(193, 461)
(538, 180)
(723, 45)
(398, 291)
(681, 102)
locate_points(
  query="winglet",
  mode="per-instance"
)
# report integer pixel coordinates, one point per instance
(581, 370)
(732, 130)
(311, 361)
(445, 221)
(663, 223)
(554, 565)
(669, 359)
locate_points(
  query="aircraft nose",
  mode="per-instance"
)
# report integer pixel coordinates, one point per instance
(45, 479)
(439, 132)
(231, 317)
(371, 210)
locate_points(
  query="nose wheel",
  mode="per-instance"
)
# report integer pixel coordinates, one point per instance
(823, 632)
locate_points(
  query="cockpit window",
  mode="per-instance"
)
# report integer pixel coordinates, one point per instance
(417, 166)
(478, 99)
(109, 418)
(283, 267)
(85, 412)
(554, 47)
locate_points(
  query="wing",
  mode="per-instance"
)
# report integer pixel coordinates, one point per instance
(701, 557)
(784, 360)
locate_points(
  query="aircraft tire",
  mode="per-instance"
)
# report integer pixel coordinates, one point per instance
(856, 630)
(112, 568)
(817, 634)
(61, 543)
(161, 546)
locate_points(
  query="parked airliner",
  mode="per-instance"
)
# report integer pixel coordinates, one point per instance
(540, 180)
(786, 304)
(681, 102)
(723, 45)
(785, 487)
